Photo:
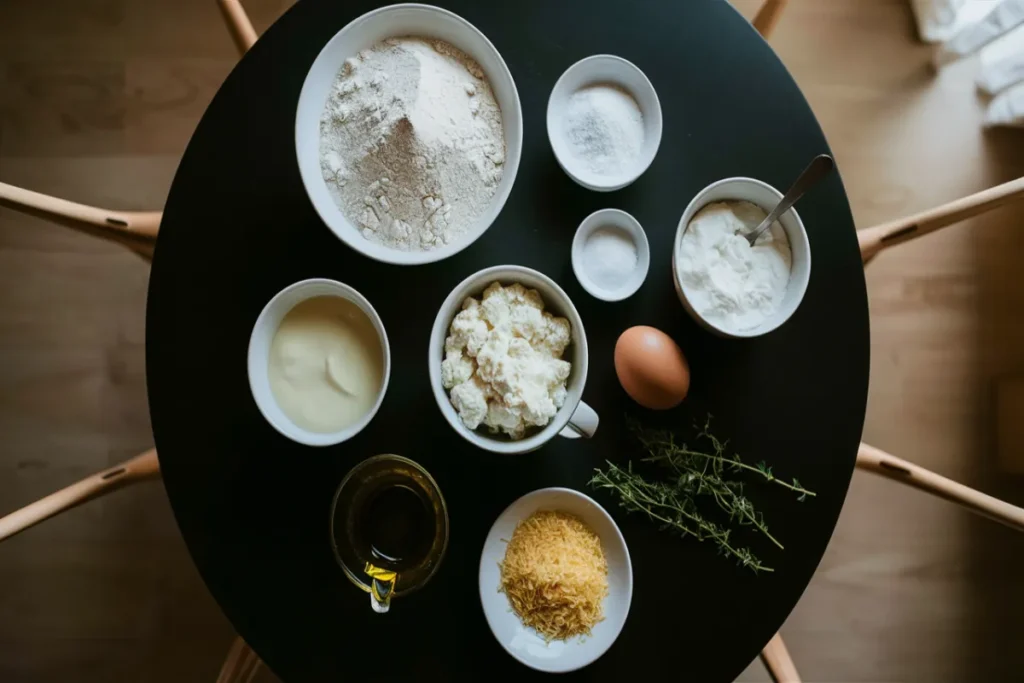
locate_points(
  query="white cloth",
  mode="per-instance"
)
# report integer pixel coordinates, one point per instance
(1002, 63)
(994, 29)
(1006, 16)
(938, 20)
(1007, 109)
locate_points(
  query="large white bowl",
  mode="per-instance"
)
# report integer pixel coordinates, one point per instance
(767, 197)
(362, 33)
(575, 418)
(525, 644)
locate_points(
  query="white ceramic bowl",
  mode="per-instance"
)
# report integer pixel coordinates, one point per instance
(524, 643)
(259, 354)
(580, 418)
(766, 197)
(629, 226)
(610, 70)
(362, 33)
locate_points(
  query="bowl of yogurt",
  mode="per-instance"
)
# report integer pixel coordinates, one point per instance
(319, 362)
(730, 288)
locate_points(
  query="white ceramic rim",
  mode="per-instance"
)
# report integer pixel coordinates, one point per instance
(776, 321)
(593, 181)
(285, 426)
(578, 375)
(336, 221)
(620, 539)
(626, 222)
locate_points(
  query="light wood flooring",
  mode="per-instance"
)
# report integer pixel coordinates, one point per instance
(97, 102)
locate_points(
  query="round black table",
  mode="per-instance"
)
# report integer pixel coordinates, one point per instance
(253, 506)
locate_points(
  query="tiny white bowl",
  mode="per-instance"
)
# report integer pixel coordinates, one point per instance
(524, 643)
(766, 197)
(610, 70)
(364, 32)
(622, 222)
(259, 355)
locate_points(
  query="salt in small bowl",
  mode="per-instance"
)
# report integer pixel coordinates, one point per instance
(622, 222)
(614, 71)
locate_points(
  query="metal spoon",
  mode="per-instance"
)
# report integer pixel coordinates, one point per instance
(816, 171)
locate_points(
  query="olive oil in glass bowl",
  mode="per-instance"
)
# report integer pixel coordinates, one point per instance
(389, 527)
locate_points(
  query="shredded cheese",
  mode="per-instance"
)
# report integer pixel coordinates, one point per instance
(555, 575)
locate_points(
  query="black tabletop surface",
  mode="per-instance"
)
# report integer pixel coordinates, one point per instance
(253, 506)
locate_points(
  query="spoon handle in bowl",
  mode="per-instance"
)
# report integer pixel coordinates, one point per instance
(815, 171)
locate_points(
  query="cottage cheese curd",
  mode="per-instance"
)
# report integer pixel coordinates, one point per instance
(503, 363)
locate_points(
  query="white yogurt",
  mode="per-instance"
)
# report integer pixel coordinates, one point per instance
(728, 282)
(326, 365)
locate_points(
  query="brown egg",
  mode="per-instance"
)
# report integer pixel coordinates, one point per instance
(651, 368)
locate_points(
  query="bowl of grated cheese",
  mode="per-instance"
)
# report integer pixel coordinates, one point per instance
(555, 580)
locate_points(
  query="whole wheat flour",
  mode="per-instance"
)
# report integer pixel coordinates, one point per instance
(411, 143)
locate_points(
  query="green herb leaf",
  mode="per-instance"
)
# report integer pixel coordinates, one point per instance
(694, 474)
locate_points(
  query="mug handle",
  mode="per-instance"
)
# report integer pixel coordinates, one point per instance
(582, 424)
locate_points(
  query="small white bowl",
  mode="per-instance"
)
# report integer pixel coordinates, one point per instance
(624, 223)
(524, 643)
(362, 33)
(766, 197)
(610, 70)
(575, 418)
(259, 355)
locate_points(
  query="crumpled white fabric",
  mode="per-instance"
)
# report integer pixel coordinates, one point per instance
(1007, 109)
(1006, 15)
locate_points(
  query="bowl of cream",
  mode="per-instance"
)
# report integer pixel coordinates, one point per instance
(319, 362)
(727, 286)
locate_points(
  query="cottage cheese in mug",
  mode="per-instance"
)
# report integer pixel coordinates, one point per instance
(503, 361)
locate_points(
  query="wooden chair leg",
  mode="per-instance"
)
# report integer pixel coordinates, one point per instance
(874, 240)
(778, 662)
(879, 462)
(140, 468)
(768, 16)
(136, 230)
(238, 23)
(241, 665)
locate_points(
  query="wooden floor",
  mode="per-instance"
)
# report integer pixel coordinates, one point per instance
(97, 101)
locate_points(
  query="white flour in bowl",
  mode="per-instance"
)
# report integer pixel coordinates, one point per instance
(727, 281)
(411, 143)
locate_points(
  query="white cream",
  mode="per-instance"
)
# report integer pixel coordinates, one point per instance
(326, 364)
(727, 281)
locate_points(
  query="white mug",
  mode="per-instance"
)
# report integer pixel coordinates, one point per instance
(575, 418)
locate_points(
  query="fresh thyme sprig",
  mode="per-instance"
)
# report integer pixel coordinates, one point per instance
(663, 503)
(695, 473)
(662, 448)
